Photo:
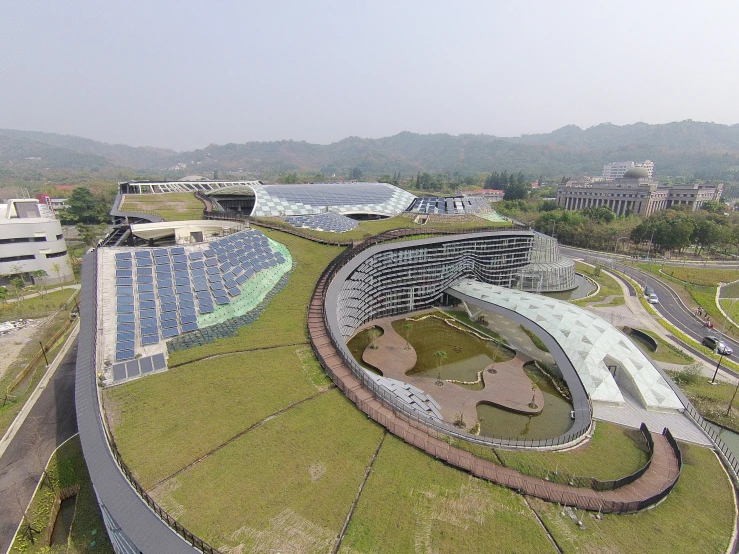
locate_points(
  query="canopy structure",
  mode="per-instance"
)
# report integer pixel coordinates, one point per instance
(605, 359)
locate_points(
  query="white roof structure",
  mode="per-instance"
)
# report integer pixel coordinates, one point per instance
(306, 199)
(591, 344)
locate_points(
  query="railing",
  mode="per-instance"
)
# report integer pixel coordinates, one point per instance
(711, 430)
(412, 416)
(180, 529)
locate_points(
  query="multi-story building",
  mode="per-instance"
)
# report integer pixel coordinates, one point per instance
(635, 193)
(616, 170)
(31, 241)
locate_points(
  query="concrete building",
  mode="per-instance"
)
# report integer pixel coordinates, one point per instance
(616, 170)
(634, 193)
(31, 241)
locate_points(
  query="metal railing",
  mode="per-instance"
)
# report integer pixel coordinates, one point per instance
(180, 529)
(393, 402)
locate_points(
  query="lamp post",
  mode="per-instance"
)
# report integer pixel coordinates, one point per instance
(713, 379)
(728, 410)
(44, 351)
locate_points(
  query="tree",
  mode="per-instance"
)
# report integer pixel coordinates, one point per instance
(440, 356)
(56, 268)
(355, 174)
(39, 275)
(517, 191)
(18, 284)
(714, 207)
(407, 327)
(4, 294)
(84, 207)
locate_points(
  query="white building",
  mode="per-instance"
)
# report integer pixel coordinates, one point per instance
(31, 241)
(616, 170)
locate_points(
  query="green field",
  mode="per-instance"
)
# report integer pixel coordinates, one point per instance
(207, 403)
(66, 468)
(171, 206)
(608, 286)
(284, 486)
(666, 351)
(697, 516)
(414, 503)
(37, 306)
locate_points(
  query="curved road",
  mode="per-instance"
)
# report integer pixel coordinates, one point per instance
(670, 306)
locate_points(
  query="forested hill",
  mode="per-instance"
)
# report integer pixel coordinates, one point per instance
(687, 148)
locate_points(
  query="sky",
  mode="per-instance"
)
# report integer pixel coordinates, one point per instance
(186, 74)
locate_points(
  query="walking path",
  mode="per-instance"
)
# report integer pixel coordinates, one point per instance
(47, 291)
(657, 481)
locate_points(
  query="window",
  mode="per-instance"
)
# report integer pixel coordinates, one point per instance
(56, 254)
(18, 258)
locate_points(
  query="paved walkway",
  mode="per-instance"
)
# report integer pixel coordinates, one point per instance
(661, 475)
(507, 385)
(47, 291)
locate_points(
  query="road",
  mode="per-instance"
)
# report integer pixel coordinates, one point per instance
(670, 306)
(50, 422)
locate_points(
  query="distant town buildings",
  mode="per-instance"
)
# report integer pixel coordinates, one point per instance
(616, 170)
(634, 192)
(53, 204)
(31, 240)
(491, 195)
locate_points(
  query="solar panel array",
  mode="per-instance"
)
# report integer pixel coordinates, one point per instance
(331, 222)
(161, 291)
(452, 205)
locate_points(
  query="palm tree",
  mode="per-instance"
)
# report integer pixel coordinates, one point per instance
(440, 355)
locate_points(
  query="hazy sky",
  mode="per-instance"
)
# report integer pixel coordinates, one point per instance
(186, 74)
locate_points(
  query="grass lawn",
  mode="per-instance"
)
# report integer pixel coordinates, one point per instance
(613, 452)
(666, 352)
(369, 228)
(711, 401)
(66, 468)
(697, 516)
(38, 306)
(286, 486)
(171, 206)
(701, 276)
(168, 420)
(284, 320)
(731, 307)
(730, 291)
(608, 286)
(414, 503)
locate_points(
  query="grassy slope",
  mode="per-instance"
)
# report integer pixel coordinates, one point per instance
(300, 471)
(67, 467)
(188, 411)
(171, 206)
(702, 276)
(413, 503)
(37, 306)
(667, 352)
(696, 517)
(608, 286)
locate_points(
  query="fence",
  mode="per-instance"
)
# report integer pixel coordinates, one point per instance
(31, 366)
(711, 430)
(414, 417)
(180, 529)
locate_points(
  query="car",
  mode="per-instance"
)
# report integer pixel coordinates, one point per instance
(652, 299)
(715, 343)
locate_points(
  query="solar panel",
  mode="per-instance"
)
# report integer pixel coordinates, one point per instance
(143, 314)
(217, 286)
(142, 279)
(159, 252)
(187, 304)
(209, 254)
(124, 281)
(125, 318)
(180, 258)
(123, 355)
(187, 327)
(206, 308)
(125, 335)
(225, 267)
(123, 265)
(187, 311)
(124, 299)
(172, 332)
(177, 250)
(143, 262)
(220, 300)
(200, 286)
(148, 305)
(147, 296)
(222, 258)
(142, 254)
(164, 283)
(169, 316)
(169, 323)
(180, 267)
(195, 255)
(146, 287)
(144, 270)
(185, 296)
(123, 273)
(180, 289)
(169, 307)
(123, 256)
(211, 262)
(149, 339)
(162, 262)
(124, 309)
(125, 345)
(241, 279)
(234, 291)
(197, 265)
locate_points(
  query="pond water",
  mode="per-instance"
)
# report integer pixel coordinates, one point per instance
(464, 353)
(359, 342)
(553, 421)
(63, 523)
(584, 287)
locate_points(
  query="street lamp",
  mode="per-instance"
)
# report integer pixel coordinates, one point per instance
(721, 357)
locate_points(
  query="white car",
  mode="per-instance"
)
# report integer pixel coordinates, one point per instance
(652, 299)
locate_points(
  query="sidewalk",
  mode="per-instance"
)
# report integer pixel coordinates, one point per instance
(34, 294)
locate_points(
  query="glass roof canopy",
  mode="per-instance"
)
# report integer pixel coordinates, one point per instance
(587, 340)
(306, 199)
